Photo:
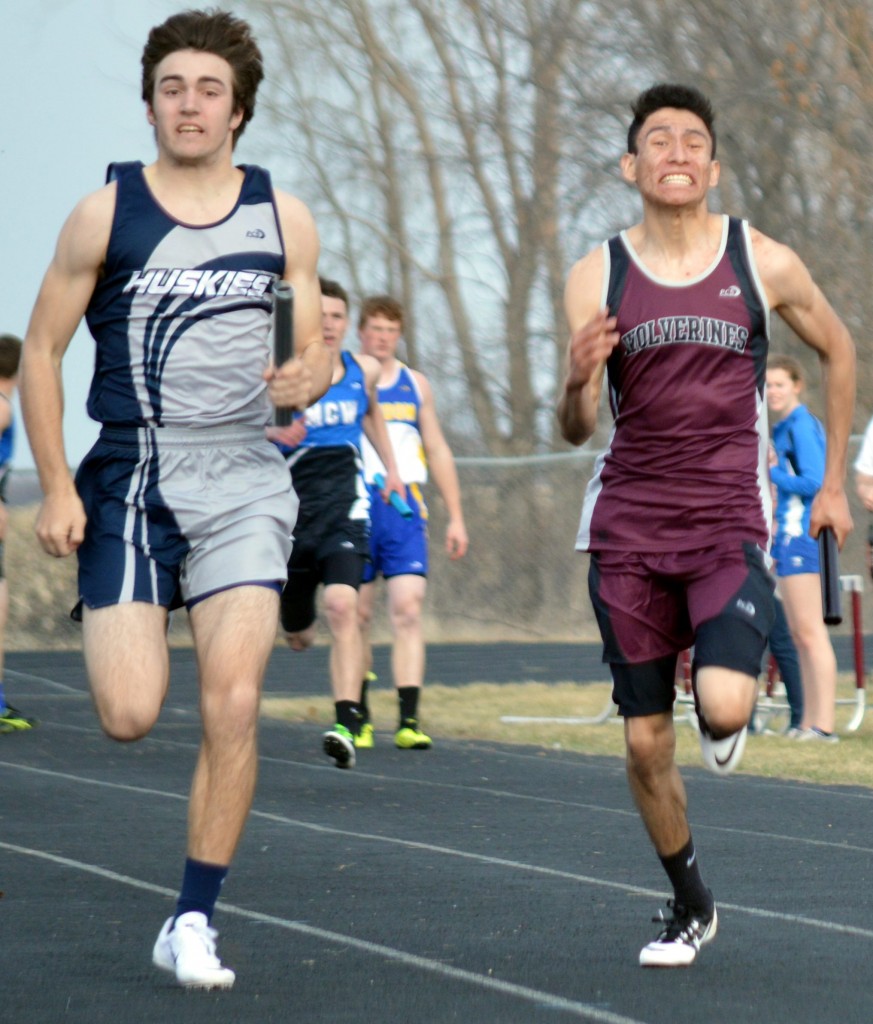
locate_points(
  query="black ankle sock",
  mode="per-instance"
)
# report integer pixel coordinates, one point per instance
(363, 706)
(201, 884)
(348, 714)
(684, 873)
(408, 697)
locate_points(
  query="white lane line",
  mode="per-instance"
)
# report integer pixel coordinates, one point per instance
(697, 826)
(547, 1000)
(449, 851)
(29, 677)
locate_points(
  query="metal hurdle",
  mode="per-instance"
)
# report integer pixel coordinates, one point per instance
(855, 586)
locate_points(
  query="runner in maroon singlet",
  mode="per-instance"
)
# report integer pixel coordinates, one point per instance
(675, 311)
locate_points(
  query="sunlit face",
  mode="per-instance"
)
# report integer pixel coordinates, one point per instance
(334, 321)
(380, 337)
(783, 392)
(673, 165)
(192, 108)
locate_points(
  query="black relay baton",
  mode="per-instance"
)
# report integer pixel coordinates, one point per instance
(829, 570)
(283, 336)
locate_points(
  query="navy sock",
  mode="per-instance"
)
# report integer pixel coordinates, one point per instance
(2, 698)
(201, 884)
(408, 697)
(684, 873)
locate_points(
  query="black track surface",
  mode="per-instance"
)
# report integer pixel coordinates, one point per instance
(470, 883)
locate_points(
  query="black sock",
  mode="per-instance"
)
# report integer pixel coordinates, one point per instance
(347, 714)
(408, 697)
(201, 884)
(363, 706)
(684, 873)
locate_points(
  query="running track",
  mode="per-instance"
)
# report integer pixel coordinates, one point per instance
(474, 883)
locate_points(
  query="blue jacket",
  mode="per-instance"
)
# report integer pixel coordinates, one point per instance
(799, 440)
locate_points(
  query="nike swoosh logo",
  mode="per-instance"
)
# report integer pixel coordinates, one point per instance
(722, 762)
(691, 859)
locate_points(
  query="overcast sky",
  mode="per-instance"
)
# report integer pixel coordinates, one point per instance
(70, 87)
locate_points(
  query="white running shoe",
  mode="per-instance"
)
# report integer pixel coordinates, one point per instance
(722, 756)
(188, 951)
(680, 939)
(816, 735)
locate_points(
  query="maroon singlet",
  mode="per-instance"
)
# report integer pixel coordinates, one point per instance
(686, 463)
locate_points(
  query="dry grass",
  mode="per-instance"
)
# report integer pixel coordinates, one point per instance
(475, 712)
(42, 591)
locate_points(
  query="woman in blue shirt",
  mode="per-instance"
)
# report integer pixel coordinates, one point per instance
(796, 471)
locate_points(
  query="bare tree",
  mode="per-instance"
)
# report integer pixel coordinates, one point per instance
(431, 138)
(462, 154)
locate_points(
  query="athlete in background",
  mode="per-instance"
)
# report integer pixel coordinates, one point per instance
(11, 719)
(398, 545)
(797, 464)
(322, 447)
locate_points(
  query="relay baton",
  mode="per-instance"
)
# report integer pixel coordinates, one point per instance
(829, 570)
(283, 336)
(395, 499)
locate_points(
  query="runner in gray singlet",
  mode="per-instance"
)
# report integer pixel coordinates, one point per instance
(182, 499)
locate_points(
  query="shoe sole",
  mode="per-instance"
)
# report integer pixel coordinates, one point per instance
(340, 749)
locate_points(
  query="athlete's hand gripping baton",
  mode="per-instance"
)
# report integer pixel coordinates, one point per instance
(283, 336)
(395, 499)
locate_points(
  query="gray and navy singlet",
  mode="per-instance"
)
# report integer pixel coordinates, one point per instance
(184, 495)
(182, 314)
(685, 467)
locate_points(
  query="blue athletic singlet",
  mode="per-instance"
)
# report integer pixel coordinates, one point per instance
(400, 402)
(326, 468)
(686, 464)
(7, 441)
(398, 546)
(182, 314)
(335, 419)
(7, 446)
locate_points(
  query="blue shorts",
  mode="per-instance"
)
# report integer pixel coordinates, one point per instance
(398, 546)
(794, 556)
